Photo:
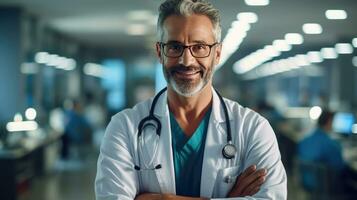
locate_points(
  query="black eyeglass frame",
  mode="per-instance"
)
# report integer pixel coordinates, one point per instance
(162, 45)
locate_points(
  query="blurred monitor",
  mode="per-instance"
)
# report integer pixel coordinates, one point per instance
(342, 123)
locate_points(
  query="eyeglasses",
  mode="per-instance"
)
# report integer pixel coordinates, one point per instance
(175, 50)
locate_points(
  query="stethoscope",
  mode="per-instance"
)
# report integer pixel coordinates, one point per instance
(228, 151)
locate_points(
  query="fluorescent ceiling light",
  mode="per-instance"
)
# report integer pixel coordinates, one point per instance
(242, 67)
(294, 38)
(354, 42)
(235, 36)
(344, 48)
(248, 17)
(301, 60)
(296, 112)
(315, 112)
(336, 14)
(312, 28)
(329, 53)
(257, 2)
(93, 69)
(354, 128)
(53, 60)
(270, 50)
(21, 126)
(354, 61)
(240, 26)
(17, 117)
(30, 113)
(60, 63)
(281, 45)
(138, 15)
(314, 57)
(69, 64)
(42, 57)
(137, 29)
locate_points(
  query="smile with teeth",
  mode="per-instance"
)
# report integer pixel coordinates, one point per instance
(187, 74)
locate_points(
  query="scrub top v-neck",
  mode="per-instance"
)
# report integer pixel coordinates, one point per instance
(188, 156)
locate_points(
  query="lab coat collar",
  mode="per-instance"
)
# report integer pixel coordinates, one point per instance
(161, 108)
(217, 109)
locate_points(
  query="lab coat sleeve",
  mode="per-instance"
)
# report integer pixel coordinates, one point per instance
(262, 150)
(116, 178)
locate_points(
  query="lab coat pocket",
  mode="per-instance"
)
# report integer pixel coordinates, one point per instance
(225, 180)
(149, 182)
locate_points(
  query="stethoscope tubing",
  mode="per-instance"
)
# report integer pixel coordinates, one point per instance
(229, 150)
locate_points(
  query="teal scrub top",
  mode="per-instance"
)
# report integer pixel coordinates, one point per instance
(188, 156)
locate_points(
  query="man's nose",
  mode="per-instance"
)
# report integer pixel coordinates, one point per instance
(186, 58)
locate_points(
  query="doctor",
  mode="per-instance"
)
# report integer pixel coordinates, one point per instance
(188, 142)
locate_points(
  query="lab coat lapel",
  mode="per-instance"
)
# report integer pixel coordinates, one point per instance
(165, 175)
(215, 140)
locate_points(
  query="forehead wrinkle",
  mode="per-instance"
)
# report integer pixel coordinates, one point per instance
(194, 28)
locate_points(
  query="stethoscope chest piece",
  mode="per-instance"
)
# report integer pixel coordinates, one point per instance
(229, 150)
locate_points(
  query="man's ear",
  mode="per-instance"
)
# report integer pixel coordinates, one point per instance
(218, 51)
(158, 52)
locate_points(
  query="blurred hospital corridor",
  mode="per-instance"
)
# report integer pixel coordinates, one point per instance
(67, 67)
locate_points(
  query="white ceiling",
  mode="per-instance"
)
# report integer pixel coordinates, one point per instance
(105, 22)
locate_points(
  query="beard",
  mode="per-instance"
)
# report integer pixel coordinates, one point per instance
(188, 87)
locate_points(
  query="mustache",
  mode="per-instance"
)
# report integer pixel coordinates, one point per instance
(183, 68)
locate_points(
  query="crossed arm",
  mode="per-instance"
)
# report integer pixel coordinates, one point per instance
(248, 183)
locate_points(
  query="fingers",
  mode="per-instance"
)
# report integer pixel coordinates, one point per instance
(251, 169)
(254, 191)
(250, 178)
(255, 183)
(242, 179)
(249, 182)
(255, 179)
(149, 196)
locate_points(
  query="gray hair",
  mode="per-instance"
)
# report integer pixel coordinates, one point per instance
(187, 8)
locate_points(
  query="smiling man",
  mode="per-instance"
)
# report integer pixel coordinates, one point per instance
(188, 142)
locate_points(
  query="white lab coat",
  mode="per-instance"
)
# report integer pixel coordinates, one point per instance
(251, 133)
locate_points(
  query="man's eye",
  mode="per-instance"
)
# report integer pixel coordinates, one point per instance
(174, 47)
(200, 47)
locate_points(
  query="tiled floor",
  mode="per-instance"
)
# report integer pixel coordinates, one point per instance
(71, 180)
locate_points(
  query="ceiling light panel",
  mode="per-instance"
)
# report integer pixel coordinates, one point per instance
(328, 53)
(354, 61)
(248, 17)
(336, 14)
(236, 35)
(312, 28)
(257, 2)
(294, 38)
(354, 42)
(281, 45)
(314, 57)
(344, 48)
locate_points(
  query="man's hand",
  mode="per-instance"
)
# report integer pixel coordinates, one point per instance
(248, 183)
(149, 196)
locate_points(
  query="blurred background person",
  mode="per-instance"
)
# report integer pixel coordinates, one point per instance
(320, 149)
(96, 116)
(77, 136)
